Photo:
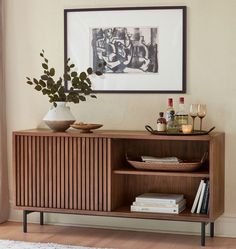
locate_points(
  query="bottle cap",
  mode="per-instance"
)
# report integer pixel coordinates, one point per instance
(170, 102)
(181, 100)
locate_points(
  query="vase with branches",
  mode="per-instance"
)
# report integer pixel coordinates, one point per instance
(59, 116)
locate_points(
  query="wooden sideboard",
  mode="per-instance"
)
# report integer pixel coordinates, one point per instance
(87, 174)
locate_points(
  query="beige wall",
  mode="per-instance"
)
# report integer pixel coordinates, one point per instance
(211, 78)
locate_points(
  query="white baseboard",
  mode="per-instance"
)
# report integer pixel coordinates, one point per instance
(224, 226)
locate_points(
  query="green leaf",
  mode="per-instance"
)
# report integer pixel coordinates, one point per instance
(74, 74)
(42, 83)
(67, 69)
(44, 65)
(50, 83)
(93, 96)
(44, 77)
(88, 81)
(89, 70)
(54, 89)
(29, 82)
(83, 76)
(61, 90)
(41, 54)
(72, 65)
(27, 78)
(67, 76)
(98, 73)
(35, 81)
(46, 91)
(52, 72)
(82, 98)
(46, 60)
(38, 88)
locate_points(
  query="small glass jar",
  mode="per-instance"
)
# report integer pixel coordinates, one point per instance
(161, 122)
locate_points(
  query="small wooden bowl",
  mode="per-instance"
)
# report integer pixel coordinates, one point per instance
(86, 128)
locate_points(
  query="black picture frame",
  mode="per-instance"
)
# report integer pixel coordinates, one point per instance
(75, 18)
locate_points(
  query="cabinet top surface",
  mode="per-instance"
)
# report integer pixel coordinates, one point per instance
(129, 134)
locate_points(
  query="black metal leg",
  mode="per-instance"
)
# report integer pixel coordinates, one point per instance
(203, 233)
(25, 221)
(41, 218)
(212, 232)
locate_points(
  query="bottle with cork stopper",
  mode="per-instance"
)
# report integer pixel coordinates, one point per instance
(169, 109)
(161, 122)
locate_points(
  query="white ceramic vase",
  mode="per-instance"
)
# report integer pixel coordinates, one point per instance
(59, 118)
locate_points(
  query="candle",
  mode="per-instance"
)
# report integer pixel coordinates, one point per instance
(187, 128)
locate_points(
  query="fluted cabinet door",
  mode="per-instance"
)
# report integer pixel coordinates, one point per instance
(59, 172)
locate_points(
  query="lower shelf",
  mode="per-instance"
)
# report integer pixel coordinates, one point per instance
(124, 212)
(186, 215)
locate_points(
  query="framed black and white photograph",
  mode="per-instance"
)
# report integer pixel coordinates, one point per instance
(144, 48)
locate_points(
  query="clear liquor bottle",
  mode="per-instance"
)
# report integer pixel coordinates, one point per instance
(169, 109)
(182, 115)
(172, 125)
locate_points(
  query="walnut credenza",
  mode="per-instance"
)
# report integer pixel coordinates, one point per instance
(87, 174)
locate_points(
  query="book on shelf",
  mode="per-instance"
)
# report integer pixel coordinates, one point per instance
(151, 159)
(200, 204)
(194, 206)
(149, 209)
(159, 198)
(160, 205)
(205, 201)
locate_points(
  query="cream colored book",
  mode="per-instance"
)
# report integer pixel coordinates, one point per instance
(161, 205)
(159, 198)
(157, 209)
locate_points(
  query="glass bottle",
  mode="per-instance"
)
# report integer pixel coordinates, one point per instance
(169, 109)
(182, 114)
(161, 122)
(172, 125)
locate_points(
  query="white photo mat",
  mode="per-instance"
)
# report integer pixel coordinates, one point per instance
(170, 23)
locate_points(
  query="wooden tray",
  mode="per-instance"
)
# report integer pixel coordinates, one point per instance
(182, 166)
(180, 133)
(86, 128)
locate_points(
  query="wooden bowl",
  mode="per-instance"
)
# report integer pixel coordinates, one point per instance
(86, 128)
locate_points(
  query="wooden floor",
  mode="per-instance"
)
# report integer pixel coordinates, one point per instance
(108, 238)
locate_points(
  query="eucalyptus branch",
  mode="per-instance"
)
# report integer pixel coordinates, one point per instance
(81, 85)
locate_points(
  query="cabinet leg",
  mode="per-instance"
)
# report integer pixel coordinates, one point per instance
(41, 218)
(203, 233)
(25, 221)
(212, 229)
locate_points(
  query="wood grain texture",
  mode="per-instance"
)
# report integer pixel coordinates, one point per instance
(88, 173)
(61, 172)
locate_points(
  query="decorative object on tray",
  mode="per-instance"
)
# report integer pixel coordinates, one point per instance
(159, 203)
(59, 117)
(165, 163)
(177, 133)
(86, 128)
(187, 128)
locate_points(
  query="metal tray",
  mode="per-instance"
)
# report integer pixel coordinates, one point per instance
(180, 133)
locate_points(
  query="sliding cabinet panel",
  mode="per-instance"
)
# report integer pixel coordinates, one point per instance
(62, 172)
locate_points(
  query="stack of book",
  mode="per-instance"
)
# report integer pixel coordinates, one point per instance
(201, 201)
(159, 203)
(151, 159)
